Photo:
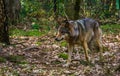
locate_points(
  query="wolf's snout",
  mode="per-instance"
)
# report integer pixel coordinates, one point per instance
(57, 39)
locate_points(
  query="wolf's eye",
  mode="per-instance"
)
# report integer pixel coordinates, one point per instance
(62, 32)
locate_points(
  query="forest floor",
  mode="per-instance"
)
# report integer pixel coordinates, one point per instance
(43, 56)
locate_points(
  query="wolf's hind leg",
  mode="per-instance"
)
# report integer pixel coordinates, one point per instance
(86, 49)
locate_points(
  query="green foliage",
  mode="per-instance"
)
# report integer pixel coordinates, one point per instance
(16, 59)
(2, 59)
(44, 9)
(36, 8)
(38, 43)
(39, 13)
(63, 44)
(29, 6)
(34, 32)
(61, 7)
(63, 55)
(111, 28)
(35, 25)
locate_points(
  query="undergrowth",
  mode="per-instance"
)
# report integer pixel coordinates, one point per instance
(111, 29)
(107, 29)
(33, 32)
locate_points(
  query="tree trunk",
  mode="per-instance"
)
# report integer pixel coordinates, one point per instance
(13, 9)
(76, 8)
(4, 37)
(55, 7)
(119, 14)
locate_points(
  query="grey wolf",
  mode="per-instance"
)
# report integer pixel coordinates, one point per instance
(81, 32)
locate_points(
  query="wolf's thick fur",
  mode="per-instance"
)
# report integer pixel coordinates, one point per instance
(80, 32)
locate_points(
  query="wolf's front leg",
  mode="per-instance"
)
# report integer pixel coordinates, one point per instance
(70, 50)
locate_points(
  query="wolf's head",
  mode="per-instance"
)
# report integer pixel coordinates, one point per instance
(63, 29)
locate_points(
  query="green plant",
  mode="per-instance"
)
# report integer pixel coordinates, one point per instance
(111, 28)
(33, 32)
(38, 43)
(63, 55)
(16, 59)
(29, 6)
(63, 44)
(2, 59)
(35, 25)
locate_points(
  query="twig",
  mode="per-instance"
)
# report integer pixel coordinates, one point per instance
(29, 48)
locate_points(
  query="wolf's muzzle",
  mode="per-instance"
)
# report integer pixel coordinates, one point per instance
(57, 39)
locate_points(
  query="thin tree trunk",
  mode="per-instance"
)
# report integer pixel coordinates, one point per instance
(4, 36)
(119, 14)
(55, 7)
(77, 9)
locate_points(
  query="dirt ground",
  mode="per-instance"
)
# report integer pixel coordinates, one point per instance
(39, 56)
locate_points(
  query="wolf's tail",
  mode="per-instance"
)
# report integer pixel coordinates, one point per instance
(96, 26)
(97, 30)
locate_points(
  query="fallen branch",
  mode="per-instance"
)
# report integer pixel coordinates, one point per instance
(30, 48)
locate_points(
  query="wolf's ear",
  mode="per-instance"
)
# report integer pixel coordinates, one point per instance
(67, 23)
(59, 19)
(66, 18)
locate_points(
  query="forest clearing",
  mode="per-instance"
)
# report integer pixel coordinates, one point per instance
(28, 46)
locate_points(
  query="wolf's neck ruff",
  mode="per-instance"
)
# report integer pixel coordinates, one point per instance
(76, 31)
